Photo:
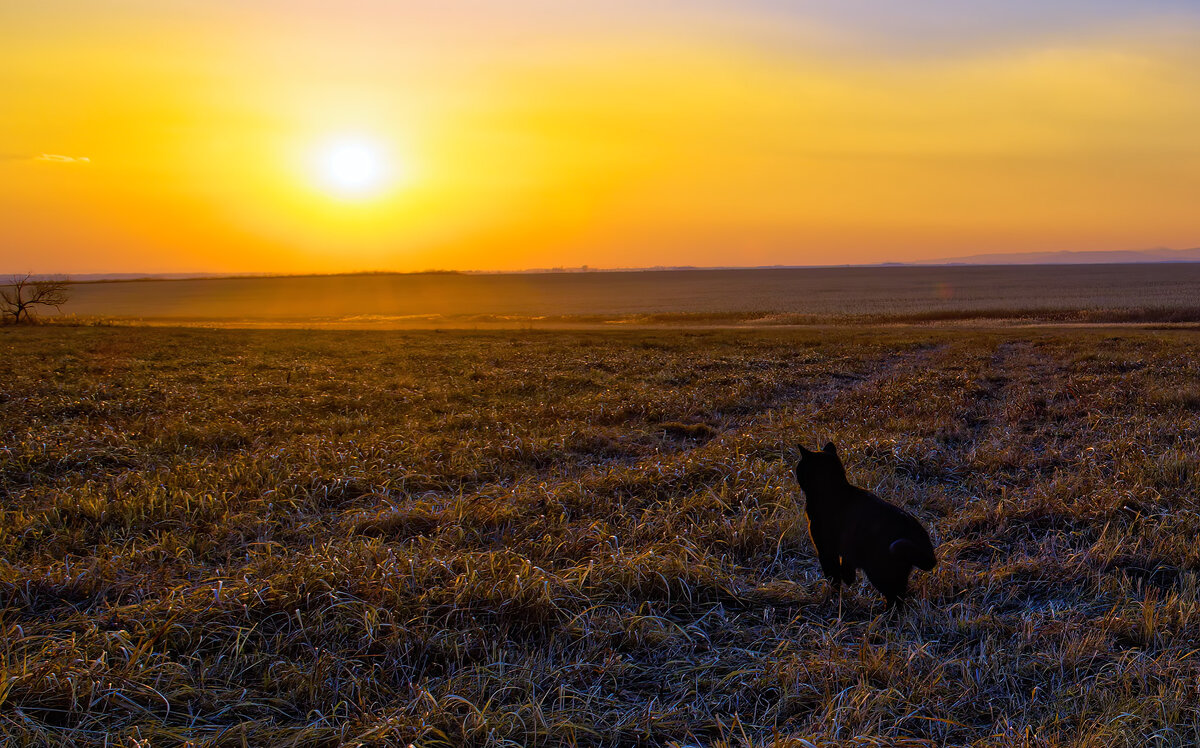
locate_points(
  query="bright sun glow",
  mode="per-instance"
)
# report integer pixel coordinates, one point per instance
(353, 167)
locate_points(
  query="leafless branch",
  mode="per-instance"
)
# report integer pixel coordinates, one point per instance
(24, 292)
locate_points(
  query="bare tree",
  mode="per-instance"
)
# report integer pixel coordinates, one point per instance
(23, 292)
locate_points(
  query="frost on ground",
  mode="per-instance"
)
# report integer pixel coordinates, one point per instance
(592, 538)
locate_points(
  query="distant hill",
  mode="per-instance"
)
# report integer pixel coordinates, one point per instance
(1116, 257)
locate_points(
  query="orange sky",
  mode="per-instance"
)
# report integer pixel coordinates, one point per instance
(176, 137)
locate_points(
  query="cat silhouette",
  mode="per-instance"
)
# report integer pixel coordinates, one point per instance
(852, 528)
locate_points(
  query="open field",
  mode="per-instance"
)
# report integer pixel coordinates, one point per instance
(592, 538)
(1081, 293)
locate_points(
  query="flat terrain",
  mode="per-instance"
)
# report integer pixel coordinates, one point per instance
(592, 538)
(1103, 293)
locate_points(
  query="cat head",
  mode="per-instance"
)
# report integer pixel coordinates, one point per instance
(819, 468)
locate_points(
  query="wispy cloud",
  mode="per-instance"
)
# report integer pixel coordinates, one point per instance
(54, 158)
(58, 158)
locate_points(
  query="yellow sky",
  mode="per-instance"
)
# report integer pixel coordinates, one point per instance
(529, 134)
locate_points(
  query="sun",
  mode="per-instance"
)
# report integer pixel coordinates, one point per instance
(353, 166)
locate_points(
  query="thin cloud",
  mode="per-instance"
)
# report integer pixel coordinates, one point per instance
(58, 158)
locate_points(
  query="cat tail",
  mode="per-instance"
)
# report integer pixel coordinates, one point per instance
(917, 554)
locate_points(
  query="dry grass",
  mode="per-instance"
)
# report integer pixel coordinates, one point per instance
(507, 539)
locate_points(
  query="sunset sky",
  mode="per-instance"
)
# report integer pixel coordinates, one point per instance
(303, 136)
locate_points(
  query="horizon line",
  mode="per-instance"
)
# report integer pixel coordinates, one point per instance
(121, 277)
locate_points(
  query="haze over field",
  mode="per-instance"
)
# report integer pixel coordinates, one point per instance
(293, 137)
(1171, 291)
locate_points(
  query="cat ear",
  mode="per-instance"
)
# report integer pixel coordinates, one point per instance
(831, 448)
(804, 452)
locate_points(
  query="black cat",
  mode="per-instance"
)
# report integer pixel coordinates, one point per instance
(853, 528)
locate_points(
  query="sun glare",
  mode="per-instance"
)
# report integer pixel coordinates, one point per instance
(353, 167)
